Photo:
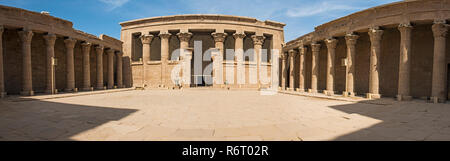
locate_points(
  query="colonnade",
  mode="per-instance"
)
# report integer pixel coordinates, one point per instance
(26, 36)
(439, 73)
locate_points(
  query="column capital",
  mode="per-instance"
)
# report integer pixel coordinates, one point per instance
(302, 50)
(284, 56)
(110, 51)
(292, 53)
(351, 39)
(331, 43)
(165, 35)
(440, 29)
(147, 39)
(119, 54)
(70, 43)
(375, 34)
(99, 49)
(239, 35)
(258, 40)
(185, 36)
(26, 36)
(86, 44)
(315, 47)
(219, 37)
(50, 39)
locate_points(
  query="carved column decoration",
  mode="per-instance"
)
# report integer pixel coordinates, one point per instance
(258, 41)
(110, 53)
(164, 56)
(302, 75)
(27, 80)
(86, 49)
(239, 58)
(219, 39)
(291, 69)
(70, 66)
(100, 83)
(119, 69)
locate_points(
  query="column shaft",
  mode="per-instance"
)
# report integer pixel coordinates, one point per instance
(439, 80)
(70, 66)
(374, 81)
(27, 80)
(331, 48)
(351, 41)
(110, 53)
(164, 57)
(315, 67)
(219, 38)
(405, 63)
(283, 70)
(100, 82)
(302, 68)
(86, 47)
(186, 55)
(119, 69)
(291, 69)
(146, 42)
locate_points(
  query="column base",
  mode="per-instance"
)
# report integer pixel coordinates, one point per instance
(88, 89)
(2, 94)
(101, 88)
(328, 93)
(403, 98)
(300, 90)
(27, 93)
(55, 91)
(312, 91)
(290, 89)
(373, 96)
(437, 100)
(348, 94)
(71, 90)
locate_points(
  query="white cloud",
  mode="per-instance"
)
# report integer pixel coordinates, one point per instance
(114, 3)
(319, 8)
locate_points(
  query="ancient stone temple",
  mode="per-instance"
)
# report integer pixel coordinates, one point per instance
(151, 44)
(395, 50)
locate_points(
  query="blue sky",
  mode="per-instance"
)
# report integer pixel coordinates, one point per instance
(103, 16)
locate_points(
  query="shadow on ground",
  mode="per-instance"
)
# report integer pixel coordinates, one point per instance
(402, 121)
(45, 120)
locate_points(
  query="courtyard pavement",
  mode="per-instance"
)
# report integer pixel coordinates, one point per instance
(204, 115)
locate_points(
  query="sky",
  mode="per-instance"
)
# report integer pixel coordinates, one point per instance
(103, 16)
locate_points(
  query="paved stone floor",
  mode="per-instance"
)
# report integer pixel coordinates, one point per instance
(218, 115)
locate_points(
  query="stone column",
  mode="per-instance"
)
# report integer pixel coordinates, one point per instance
(350, 40)
(374, 82)
(50, 68)
(110, 82)
(2, 79)
(187, 67)
(439, 80)
(119, 70)
(258, 41)
(86, 47)
(405, 63)
(331, 48)
(186, 57)
(315, 67)
(70, 66)
(164, 56)
(291, 69)
(239, 58)
(219, 38)
(100, 83)
(302, 68)
(27, 80)
(283, 71)
(146, 42)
